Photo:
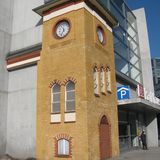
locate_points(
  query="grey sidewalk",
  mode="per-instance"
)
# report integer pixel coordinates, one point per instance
(151, 154)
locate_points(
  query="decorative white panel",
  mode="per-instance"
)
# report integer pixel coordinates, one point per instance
(96, 81)
(70, 117)
(108, 80)
(102, 77)
(55, 118)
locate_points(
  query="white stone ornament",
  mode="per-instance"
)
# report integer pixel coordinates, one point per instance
(108, 80)
(102, 78)
(96, 82)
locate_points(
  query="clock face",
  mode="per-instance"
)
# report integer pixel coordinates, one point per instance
(100, 34)
(62, 28)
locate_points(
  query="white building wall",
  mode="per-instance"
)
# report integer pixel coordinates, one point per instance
(151, 117)
(5, 39)
(152, 129)
(144, 49)
(26, 28)
(20, 27)
(21, 118)
(21, 113)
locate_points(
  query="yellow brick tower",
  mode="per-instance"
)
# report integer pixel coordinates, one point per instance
(76, 87)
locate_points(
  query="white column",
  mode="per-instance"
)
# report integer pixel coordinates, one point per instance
(152, 129)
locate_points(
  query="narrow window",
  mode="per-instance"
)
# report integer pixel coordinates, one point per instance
(96, 81)
(108, 80)
(63, 147)
(56, 98)
(70, 96)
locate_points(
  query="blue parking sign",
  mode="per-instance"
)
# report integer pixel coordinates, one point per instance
(123, 92)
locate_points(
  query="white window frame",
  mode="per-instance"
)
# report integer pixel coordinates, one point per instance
(72, 100)
(52, 95)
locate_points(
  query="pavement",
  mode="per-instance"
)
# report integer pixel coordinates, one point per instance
(150, 154)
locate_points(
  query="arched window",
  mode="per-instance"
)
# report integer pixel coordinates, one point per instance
(63, 147)
(70, 96)
(56, 98)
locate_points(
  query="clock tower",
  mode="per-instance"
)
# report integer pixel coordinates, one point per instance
(76, 87)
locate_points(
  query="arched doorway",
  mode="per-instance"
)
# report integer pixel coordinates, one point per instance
(105, 138)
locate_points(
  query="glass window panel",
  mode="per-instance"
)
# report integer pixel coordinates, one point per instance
(131, 31)
(66, 147)
(119, 4)
(136, 38)
(138, 79)
(118, 15)
(121, 49)
(158, 72)
(56, 97)
(121, 65)
(56, 107)
(71, 95)
(56, 88)
(105, 3)
(157, 63)
(133, 46)
(60, 147)
(63, 147)
(134, 72)
(134, 60)
(70, 106)
(136, 51)
(130, 17)
(70, 86)
(116, 40)
(119, 32)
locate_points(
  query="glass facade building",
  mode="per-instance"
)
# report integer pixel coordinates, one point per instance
(128, 62)
(156, 80)
(127, 57)
(156, 75)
